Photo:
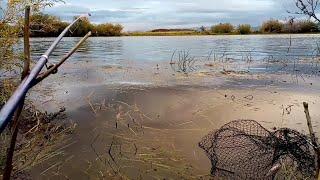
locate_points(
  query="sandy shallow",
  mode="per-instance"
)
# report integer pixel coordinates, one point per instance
(146, 123)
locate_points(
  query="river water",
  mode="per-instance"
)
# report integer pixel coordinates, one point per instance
(139, 118)
(118, 50)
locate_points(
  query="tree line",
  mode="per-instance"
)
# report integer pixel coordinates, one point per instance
(44, 25)
(270, 26)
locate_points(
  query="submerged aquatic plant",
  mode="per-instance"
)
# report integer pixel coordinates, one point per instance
(184, 62)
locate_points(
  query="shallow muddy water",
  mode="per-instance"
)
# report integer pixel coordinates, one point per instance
(139, 118)
(153, 133)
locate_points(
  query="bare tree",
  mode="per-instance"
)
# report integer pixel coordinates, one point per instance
(308, 8)
(202, 29)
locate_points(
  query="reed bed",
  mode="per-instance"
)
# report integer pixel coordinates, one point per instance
(43, 137)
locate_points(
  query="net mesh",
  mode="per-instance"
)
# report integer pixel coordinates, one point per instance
(243, 149)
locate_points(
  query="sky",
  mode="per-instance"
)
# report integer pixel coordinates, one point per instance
(137, 15)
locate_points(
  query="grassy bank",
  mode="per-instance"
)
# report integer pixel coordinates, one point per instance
(171, 33)
(177, 33)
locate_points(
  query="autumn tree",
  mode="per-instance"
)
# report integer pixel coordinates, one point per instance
(11, 22)
(244, 29)
(108, 29)
(82, 27)
(45, 25)
(272, 26)
(222, 28)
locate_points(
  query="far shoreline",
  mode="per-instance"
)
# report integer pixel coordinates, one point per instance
(228, 34)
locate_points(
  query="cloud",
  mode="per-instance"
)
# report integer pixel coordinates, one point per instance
(148, 14)
(66, 11)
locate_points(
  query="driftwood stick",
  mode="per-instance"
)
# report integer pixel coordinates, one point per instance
(26, 37)
(54, 68)
(313, 138)
(10, 151)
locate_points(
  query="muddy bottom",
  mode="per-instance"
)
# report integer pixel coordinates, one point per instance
(145, 122)
(153, 133)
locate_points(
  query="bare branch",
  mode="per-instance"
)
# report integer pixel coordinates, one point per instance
(308, 8)
(27, 59)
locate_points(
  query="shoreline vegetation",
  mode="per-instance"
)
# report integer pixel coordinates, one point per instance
(268, 27)
(44, 25)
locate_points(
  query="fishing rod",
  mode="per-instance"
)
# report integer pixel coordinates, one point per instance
(28, 82)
